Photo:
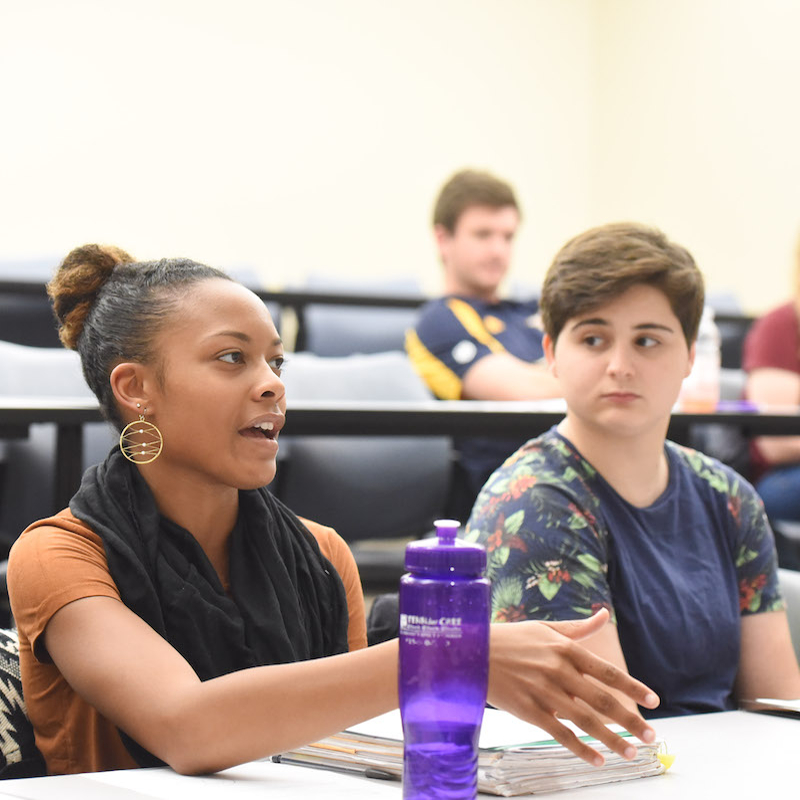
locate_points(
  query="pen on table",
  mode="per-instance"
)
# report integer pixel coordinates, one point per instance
(367, 772)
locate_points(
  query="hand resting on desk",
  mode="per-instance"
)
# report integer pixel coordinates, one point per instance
(537, 671)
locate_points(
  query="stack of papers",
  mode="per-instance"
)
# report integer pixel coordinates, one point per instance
(514, 758)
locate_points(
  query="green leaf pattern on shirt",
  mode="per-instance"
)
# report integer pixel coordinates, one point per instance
(554, 512)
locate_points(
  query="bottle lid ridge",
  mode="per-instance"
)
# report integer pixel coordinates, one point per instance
(445, 554)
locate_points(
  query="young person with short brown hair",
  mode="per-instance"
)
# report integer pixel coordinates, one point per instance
(603, 512)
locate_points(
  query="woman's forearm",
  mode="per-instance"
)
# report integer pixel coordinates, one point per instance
(257, 712)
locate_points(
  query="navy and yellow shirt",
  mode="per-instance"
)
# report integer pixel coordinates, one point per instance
(452, 334)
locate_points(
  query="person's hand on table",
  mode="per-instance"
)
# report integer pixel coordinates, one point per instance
(538, 672)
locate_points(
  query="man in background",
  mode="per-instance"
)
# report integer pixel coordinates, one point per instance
(470, 344)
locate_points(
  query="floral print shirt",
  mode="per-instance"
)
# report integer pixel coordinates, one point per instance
(676, 575)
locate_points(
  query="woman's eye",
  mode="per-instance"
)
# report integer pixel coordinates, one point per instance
(592, 341)
(234, 357)
(646, 341)
(277, 364)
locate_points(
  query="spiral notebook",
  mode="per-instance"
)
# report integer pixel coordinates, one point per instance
(515, 758)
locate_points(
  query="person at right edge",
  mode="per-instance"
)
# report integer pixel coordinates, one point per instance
(771, 358)
(602, 512)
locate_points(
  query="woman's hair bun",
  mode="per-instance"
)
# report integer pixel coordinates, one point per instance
(76, 284)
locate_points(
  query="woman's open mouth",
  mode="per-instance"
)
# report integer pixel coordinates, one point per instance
(264, 430)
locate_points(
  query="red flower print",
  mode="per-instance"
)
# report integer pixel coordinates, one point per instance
(558, 575)
(495, 539)
(735, 506)
(555, 574)
(749, 589)
(521, 485)
(590, 518)
(515, 613)
(499, 538)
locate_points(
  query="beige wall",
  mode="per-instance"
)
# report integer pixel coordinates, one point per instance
(311, 137)
(698, 131)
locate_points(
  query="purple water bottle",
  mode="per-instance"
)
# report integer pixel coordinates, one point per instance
(444, 664)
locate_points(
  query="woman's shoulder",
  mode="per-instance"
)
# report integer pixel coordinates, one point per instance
(63, 527)
(55, 560)
(47, 552)
(321, 532)
(329, 541)
(336, 550)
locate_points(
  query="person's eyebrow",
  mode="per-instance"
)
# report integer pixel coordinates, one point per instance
(592, 321)
(644, 326)
(241, 336)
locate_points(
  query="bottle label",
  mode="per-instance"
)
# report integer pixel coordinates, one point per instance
(417, 629)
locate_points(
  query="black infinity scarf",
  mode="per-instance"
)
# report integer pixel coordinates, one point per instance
(288, 602)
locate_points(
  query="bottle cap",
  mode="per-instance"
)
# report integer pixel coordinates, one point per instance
(447, 530)
(445, 555)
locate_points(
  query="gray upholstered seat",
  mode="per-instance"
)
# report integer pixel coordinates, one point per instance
(27, 318)
(27, 466)
(333, 330)
(384, 488)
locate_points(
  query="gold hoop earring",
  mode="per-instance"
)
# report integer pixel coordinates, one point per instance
(141, 441)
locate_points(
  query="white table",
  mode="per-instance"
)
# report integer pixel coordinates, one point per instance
(731, 755)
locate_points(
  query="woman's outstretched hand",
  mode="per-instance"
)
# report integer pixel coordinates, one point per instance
(538, 672)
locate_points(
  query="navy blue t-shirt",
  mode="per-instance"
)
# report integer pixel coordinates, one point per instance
(451, 335)
(677, 575)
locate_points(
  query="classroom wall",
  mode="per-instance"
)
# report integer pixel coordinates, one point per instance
(311, 137)
(698, 131)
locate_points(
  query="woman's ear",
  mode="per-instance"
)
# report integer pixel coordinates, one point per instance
(549, 347)
(129, 383)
